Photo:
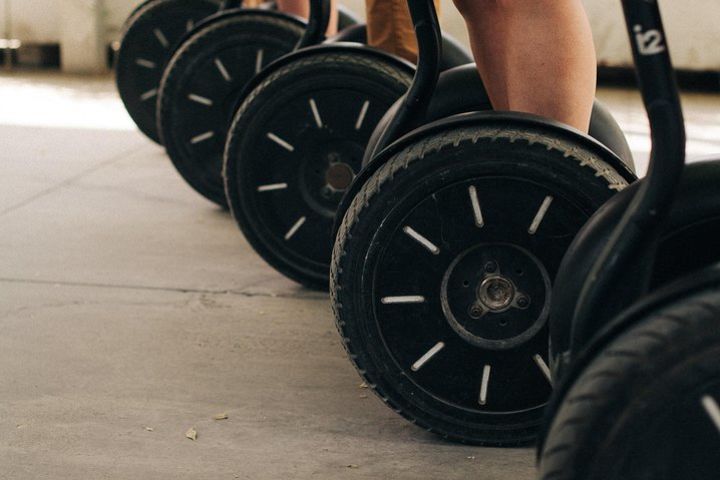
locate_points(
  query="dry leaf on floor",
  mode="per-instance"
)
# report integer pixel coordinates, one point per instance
(363, 385)
(191, 434)
(149, 429)
(352, 465)
(220, 416)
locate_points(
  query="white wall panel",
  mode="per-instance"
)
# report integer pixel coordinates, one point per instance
(691, 24)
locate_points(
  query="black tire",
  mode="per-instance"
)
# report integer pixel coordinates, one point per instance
(647, 406)
(314, 106)
(149, 38)
(432, 185)
(203, 83)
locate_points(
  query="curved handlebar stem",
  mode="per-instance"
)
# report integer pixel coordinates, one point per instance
(418, 96)
(317, 23)
(622, 271)
(228, 4)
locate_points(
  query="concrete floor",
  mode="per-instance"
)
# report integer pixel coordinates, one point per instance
(132, 310)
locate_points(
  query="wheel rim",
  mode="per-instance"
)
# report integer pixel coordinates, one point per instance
(311, 150)
(449, 253)
(146, 49)
(201, 105)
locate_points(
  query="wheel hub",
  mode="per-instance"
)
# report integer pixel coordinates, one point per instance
(496, 296)
(328, 170)
(339, 176)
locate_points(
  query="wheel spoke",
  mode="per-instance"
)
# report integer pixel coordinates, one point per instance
(540, 215)
(146, 63)
(484, 385)
(712, 409)
(149, 94)
(223, 71)
(201, 100)
(281, 142)
(427, 356)
(316, 113)
(293, 230)
(161, 38)
(272, 187)
(431, 247)
(362, 115)
(543, 366)
(475, 202)
(202, 137)
(403, 299)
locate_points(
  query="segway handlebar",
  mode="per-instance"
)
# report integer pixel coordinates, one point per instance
(418, 96)
(623, 269)
(317, 23)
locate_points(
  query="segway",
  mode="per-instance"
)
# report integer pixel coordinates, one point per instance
(204, 81)
(150, 35)
(635, 326)
(298, 143)
(443, 267)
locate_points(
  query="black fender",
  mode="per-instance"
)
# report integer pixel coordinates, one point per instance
(237, 12)
(706, 279)
(338, 47)
(687, 243)
(461, 90)
(482, 118)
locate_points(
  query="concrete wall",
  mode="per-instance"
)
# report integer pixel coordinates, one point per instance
(78, 24)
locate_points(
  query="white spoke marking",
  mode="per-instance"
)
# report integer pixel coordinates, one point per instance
(477, 212)
(428, 355)
(200, 100)
(281, 142)
(540, 361)
(202, 137)
(259, 61)
(316, 113)
(540, 215)
(434, 249)
(713, 409)
(189, 25)
(293, 230)
(145, 63)
(484, 385)
(404, 299)
(271, 187)
(223, 71)
(161, 38)
(149, 94)
(363, 113)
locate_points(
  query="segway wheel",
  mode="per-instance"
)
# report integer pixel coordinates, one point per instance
(442, 271)
(149, 39)
(294, 148)
(202, 86)
(648, 406)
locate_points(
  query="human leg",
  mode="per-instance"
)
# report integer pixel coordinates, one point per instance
(535, 56)
(301, 8)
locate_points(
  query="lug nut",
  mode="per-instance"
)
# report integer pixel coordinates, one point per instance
(491, 267)
(523, 302)
(476, 311)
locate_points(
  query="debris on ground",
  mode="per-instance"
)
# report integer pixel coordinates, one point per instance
(149, 429)
(220, 416)
(363, 385)
(191, 434)
(351, 465)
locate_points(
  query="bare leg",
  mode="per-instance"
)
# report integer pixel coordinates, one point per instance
(535, 56)
(301, 8)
